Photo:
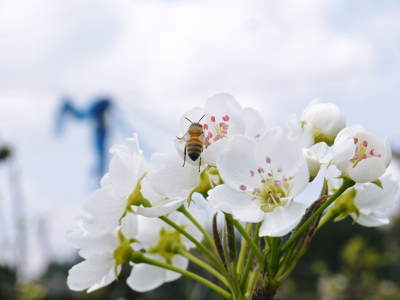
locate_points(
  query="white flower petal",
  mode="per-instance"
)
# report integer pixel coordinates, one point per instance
(126, 166)
(162, 209)
(282, 220)
(255, 126)
(180, 262)
(149, 231)
(214, 151)
(367, 170)
(284, 152)
(370, 220)
(348, 133)
(129, 225)
(94, 272)
(239, 204)
(302, 133)
(387, 152)
(325, 118)
(237, 163)
(169, 178)
(222, 102)
(105, 208)
(144, 277)
(189, 227)
(371, 198)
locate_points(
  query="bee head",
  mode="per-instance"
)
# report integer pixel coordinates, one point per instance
(195, 128)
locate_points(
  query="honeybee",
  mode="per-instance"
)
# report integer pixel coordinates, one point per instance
(194, 141)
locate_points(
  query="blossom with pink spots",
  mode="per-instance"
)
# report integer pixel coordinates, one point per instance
(361, 155)
(224, 119)
(261, 180)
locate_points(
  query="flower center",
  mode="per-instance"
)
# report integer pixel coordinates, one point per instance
(168, 241)
(216, 130)
(363, 151)
(274, 187)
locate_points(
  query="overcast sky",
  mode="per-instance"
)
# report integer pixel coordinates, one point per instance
(160, 58)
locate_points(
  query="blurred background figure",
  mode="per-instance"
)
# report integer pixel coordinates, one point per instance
(5, 151)
(97, 113)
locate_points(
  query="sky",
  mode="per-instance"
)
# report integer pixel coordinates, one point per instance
(159, 58)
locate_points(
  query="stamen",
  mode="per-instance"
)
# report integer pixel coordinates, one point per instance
(243, 187)
(268, 160)
(212, 118)
(225, 118)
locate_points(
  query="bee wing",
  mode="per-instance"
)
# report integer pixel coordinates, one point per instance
(202, 139)
(184, 138)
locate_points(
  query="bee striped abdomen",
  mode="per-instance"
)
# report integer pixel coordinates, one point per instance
(194, 148)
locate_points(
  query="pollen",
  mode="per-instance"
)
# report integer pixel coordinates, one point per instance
(216, 130)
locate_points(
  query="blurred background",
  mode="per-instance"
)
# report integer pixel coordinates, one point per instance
(79, 75)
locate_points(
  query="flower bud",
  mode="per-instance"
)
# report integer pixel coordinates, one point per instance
(313, 163)
(325, 120)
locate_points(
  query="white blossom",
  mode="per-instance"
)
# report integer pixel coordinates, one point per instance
(167, 185)
(99, 267)
(326, 120)
(223, 119)
(374, 202)
(315, 156)
(108, 203)
(261, 180)
(156, 237)
(360, 154)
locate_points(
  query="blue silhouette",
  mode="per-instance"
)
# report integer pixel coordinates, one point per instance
(96, 113)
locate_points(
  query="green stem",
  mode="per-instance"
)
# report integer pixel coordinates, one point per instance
(274, 256)
(243, 250)
(192, 219)
(327, 217)
(252, 282)
(249, 240)
(346, 184)
(245, 275)
(203, 265)
(199, 245)
(186, 273)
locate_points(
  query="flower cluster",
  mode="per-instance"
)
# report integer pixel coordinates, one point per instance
(149, 214)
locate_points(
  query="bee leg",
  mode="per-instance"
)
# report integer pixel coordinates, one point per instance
(199, 163)
(184, 156)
